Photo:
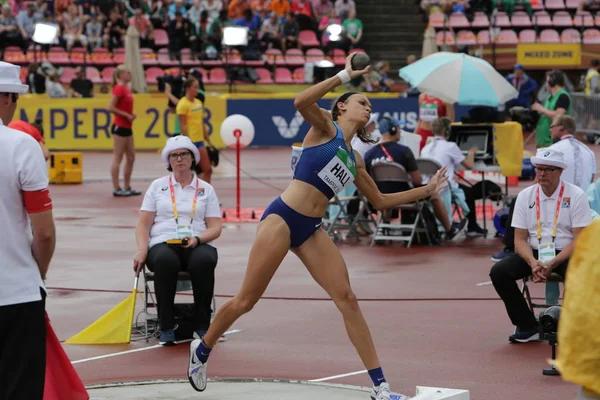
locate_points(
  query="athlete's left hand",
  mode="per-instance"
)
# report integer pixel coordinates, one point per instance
(438, 181)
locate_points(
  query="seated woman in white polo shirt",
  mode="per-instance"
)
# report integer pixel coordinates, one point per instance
(548, 217)
(179, 206)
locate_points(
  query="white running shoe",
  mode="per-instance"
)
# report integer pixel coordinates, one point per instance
(381, 392)
(197, 370)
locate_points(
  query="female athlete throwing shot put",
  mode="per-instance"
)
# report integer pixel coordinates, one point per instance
(292, 222)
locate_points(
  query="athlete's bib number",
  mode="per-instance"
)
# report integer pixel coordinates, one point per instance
(428, 112)
(339, 172)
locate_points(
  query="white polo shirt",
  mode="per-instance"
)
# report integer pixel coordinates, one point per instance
(361, 147)
(22, 168)
(448, 154)
(574, 213)
(580, 160)
(158, 200)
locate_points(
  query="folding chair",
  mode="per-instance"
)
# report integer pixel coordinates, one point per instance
(393, 172)
(183, 284)
(338, 217)
(525, 290)
(429, 167)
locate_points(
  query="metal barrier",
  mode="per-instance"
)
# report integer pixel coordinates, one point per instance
(586, 111)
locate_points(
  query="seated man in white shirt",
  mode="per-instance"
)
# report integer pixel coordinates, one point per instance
(449, 155)
(548, 217)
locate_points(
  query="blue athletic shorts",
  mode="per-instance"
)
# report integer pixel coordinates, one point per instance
(301, 226)
(199, 144)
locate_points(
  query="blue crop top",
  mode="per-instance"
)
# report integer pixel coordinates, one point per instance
(329, 167)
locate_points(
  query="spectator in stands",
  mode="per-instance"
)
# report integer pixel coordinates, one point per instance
(54, 88)
(304, 14)
(194, 13)
(175, 7)
(485, 6)
(132, 5)
(435, 6)
(524, 85)
(354, 31)
(41, 10)
(248, 21)
(213, 7)
(281, 7)
(508, 6)
(558, 103)
(179, 34)
(73, 28)
(197, 219)
(86, 8)
(236, 8)
(389, 150)
(62, 6)
(324, 23)
(430, 109)
(35, 79)
(385, 82)
(343, 7)
(26, 22)
(93, 31)
(290, 32)
(199, 35)
(270, 32)
(114, 31)
(258, 5)
(215, 32)
(592, 78)
(81, 86)
(322, 9)
(10, 34)
(548, 218)
(144, 27)
(449, 155)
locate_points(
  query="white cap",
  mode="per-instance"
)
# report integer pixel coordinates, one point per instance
(178, 143)
(549, 156)
(10, 79)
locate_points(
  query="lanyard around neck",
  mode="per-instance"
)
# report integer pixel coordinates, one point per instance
(537, 212)
(174, 202)
(388, 155)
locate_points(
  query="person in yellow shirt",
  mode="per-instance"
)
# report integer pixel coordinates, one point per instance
(190, 112)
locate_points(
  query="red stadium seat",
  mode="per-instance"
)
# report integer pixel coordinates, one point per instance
(549, 36)
(437, 19)
(17, 57)
(520, 19)
(583, 18)
(314, 55)
(527, 36)
(541, 18)
(218, 76)
(459, 20)
(338, 57)
(101, 56)
(275, 57)
(483, 37)
(68, 73)
(93, 74)
(308, 38)
(570, 35)
(298, 75)
(507, 36)
(161, 39)
(152, 73)
(264, 75)
(148, 57)
(465, 38)
(445, 37)
(294, 58)
(591, 36)
(79, 55)
(597, 19)
(58, 55)
(480, 20)
(119, 56)
(107, 75)
(164, 60)
(571, 4)
(232, 56)
(502, 20)
(562, 19)
(283, 75)
(554, 4)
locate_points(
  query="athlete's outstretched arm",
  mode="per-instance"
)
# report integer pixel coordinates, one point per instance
(381, 201)
(306, 102)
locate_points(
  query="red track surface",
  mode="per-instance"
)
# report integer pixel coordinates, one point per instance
(432, 324)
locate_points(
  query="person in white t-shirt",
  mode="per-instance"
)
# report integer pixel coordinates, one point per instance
(179, 206)
(548, 217)
(26, 249)
(373, 130)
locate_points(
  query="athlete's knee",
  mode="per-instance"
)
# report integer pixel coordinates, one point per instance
(346, 300)
(245, 304)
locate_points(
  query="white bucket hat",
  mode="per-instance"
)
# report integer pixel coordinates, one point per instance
(178, 143)
(10, 79)
(549, 156)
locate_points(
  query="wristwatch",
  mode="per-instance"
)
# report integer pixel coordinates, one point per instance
(199, 241)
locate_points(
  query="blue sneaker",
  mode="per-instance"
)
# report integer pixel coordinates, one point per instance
(502, 254)
(199, 334)
(167, 337)
(519, 336)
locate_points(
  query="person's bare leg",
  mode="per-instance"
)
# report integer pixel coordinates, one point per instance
(205, 164)
(129, 160)
(439, 209)
(119, 148)
(326, 265)
(270, 247)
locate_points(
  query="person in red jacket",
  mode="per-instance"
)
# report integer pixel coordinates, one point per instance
(35, 130)
(430, 109)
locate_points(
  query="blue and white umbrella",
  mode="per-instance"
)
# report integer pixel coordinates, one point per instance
(459, 78)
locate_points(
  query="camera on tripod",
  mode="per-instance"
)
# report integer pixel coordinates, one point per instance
(177, 82)
(527, 118)
(549, 331)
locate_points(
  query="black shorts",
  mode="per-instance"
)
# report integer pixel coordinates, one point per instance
(119, 131)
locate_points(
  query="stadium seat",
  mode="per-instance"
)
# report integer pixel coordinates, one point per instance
(356, 51)
(17, 57)
(527, 36)
(541, 18)
(148, 57)
(308, 38)
(520, 19)
(549, 36)
(459, 20)
(437, 19)
(264, 75)
(445, 37)
(570, 35)
(583, 18)
(119, 56)
(314, 55)
(218, 76)
(283, 75)
(68, 73)
(483, 37)
(232, 56)
(175, 71)
(294, 58)
(571, 4)
(101, 57)
(502, 20)
(275, 57)
(93, 74)
(161, 39)
(107, 75)
(58, 55)
(338, 57)
(562, 19)
(465, 38)
(152, 73)
(507, 36)
(597, 19)
(554, 4)
(480, 20)
(591, 36)
(298, 75)
(79, 56)
(164, 60)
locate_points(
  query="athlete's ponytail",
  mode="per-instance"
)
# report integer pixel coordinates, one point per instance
(335, 111)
